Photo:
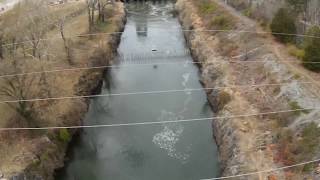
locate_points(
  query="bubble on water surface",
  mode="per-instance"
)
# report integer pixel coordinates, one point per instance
(168, 138)
(186, 77)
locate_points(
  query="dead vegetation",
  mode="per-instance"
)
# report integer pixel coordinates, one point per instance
(282, 143)
(213, 16)
(37, 37)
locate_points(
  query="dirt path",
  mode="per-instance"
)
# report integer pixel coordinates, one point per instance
(278, 49)
(7, 5)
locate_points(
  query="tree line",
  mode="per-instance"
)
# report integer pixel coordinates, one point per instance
(284, 28)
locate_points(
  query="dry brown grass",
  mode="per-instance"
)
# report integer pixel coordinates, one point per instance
(17, 155)
(213, 16)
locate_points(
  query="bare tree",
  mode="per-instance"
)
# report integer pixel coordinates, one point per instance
(1, 45)
(91, 5)
(19, 88)
(37, 24)
(102, 8)
(65, 41)
(34, 34)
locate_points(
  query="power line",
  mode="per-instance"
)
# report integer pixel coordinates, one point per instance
(266, 171)
(181, 121)
(183, 30)
(159, 122)
(140, 64)
(145, 92)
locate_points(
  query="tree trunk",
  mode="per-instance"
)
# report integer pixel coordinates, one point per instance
(100, 11)
(92, 14)
(1, 47)
(65, 42)
(89, 19)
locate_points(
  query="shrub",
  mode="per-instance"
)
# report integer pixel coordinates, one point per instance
(283, 22)
(247, 12)
(221, 22)
(298, 5)
(292, 149)
(223, 99)
(64, 135)
(294, 51)
(310, 138)
(206, 7)
(295, 106)
(312, 52)
(308, 168)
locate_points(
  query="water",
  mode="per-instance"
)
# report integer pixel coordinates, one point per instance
(177, 151)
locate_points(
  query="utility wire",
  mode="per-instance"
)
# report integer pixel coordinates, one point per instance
(181, 121)
(141, 64)
(183, 30)
(159, 122)
(266, 171)
(146, 92)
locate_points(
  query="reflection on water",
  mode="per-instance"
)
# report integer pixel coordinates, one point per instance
(135, 157)
(170, 151)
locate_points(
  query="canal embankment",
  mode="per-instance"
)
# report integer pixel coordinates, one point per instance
(250, 80)
(35, 154)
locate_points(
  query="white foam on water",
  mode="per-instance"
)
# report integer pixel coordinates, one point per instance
(170, 135)
(186, 77)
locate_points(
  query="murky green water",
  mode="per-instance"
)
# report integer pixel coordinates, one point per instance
(177, 151)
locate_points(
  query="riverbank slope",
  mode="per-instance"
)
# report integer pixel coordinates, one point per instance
(36, 154)
(252, 85)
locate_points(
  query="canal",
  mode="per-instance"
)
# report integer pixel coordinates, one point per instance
(171, 151)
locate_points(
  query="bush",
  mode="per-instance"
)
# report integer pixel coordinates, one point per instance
(310, 135)
(293, 149)
(247, 12)
(64, 135)
(223, 99)
(206, 7)
(295, 106)
(312, 51)
(221, 22)
(283, 22)
(294, 51)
